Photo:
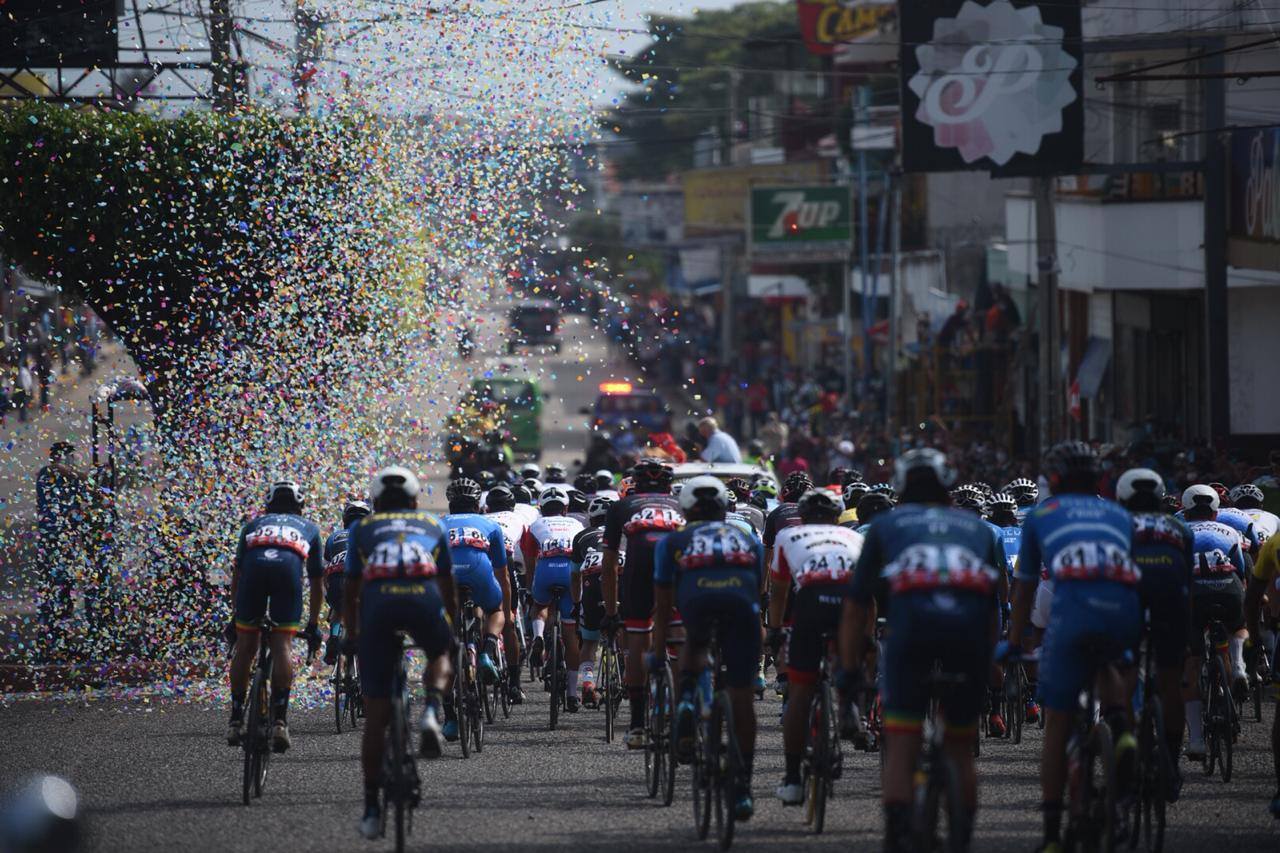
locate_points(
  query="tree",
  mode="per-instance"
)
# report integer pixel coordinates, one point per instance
(684, 78)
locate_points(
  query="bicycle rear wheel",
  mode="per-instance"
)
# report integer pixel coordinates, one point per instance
(249, 739)
(654, 716)
(606, 689)
(475, 702)
(669, 743)
(730, 761)
(1155, 780)
(819, 781)
(395, 783)
(554, 662)
(340, 698)
(460, 678)
(1097, 818)
(703, 762)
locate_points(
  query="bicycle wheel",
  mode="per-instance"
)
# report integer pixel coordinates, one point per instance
(553, 667)
(355, 700)
(395, 781)
(606, 689)
(339, 693)
(262, 738)
(488, 702)
(1097, 816)
(654, 717)
(668, 779)
(818, 786)
(475, 703)
(730, 768)
(249, 738)
(1155, 778)
(460, 677)
(1014, 689)
(703, 761)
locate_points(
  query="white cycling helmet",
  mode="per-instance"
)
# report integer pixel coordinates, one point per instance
(554, 494)
(530, 471)
(287, 490)
(928, 458)
(1139, 479)
(1201, 496)
(394, 478)
(703, 489)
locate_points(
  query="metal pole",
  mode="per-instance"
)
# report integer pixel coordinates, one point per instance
(1047, 281)
(224, 70)
(1215, 254)
(864, 96)
(891, 381)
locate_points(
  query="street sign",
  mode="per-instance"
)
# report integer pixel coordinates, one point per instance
(807, 224)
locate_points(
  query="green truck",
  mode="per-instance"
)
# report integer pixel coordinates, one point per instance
(509, 383)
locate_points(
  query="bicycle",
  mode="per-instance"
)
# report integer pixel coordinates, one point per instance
(823, 760)
(401, 785)
(611, 689)
(554, 672)
(1221, 722)
(1259, 677)
(1016, 693)
(467, 702)
(1154, 770)
(256, 742)
(659, 739)
(347, 699)
(937, 776)
(718, 767)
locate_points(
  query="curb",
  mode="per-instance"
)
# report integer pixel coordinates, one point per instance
(28, 678)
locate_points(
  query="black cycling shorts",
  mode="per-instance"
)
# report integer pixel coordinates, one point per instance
(817, 612)
(739, 621)
(635, 597)
(592, 603)
(1224, 603)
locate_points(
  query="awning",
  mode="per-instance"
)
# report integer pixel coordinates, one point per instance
(1097, 355)
(777, 287)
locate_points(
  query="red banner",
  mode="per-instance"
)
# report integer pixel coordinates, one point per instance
(827, 24)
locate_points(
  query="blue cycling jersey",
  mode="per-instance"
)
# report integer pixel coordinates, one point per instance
(335, 552)
(397, 545)
(921, 548)
(997, 532)
(1162, 547)
(475, 542)
(1240, 521)
(1217, 550)
(1010, 543)
(709, 556)
(1076, 537)
(279, 537)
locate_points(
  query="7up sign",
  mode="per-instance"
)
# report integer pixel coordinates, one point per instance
(802, 223)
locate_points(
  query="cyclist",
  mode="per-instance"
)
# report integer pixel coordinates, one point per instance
(939, 566)
(335, 564)
(501, 503)
(1248, 498)
(712, 573)
(548, 554)
(1085, 544)
(604, 484)
(871, 506)
(814, 565)
(555, 474)
(764, 495)
(1217, 583)
(578, 501)
(741, 491)
(1162, 549)
(478, 554)
(524, 504)
(398, 579)
(274, 550)
(1002, 511)
(644, 516)
(588, 561)
(853, 495)
(785, 514)
(1240, 521)
(1265, 580)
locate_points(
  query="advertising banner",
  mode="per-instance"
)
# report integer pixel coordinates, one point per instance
(803, 224)
(993, 86)
(825, 25)
(1253, 229)
(715, 199)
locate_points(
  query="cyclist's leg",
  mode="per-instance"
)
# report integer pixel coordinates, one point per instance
(333, 590)
(1170, 640)
(905, 661)
(813, 614)
(739, 650)
(285, 607)
(377, 656)
(539, 598)
(636, 610)
(250, 607)
(569, 635)
(592, 608)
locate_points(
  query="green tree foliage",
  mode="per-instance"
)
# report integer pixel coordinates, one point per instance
(683, 78)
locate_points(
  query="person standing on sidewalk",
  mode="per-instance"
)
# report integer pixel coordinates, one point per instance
(60, 507)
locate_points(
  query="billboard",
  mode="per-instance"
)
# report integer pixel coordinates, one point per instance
(802, 224)
(715, 199)
(828, 24)
(53, 33)
(1253, 225)
(993, 87)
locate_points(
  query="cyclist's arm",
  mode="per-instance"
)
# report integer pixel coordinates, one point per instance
(860, 603)
(780, 585)
(315, 576)
(609, 567)
(351, 589)
(444, 576)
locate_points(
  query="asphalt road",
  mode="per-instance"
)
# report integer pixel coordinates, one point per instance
(154, 773)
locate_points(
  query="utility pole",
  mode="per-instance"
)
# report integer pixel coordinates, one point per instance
(1050, 402)
(728, 260)
(224, 69)
(306, 52)
(891, 383)
(1215, 248)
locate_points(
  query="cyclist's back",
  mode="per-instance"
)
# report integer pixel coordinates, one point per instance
(477, 548)
(642, 519)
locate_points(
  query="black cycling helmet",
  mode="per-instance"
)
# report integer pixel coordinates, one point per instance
(741, 488)
(353, 510)
(652, 475)
(486, 480)
(872, 505)
(1024, 491)
(755, 447)
(500, 498)
(598, 509)
(1072, 466)
(966, 497)
(585, 483)
(886, 489)
(577, 500)
(555, 473)
(522, 494)
(819, 506)
(463, 490)
(854, 492)
(1170, 504)
(796, 484)
(844, 476)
